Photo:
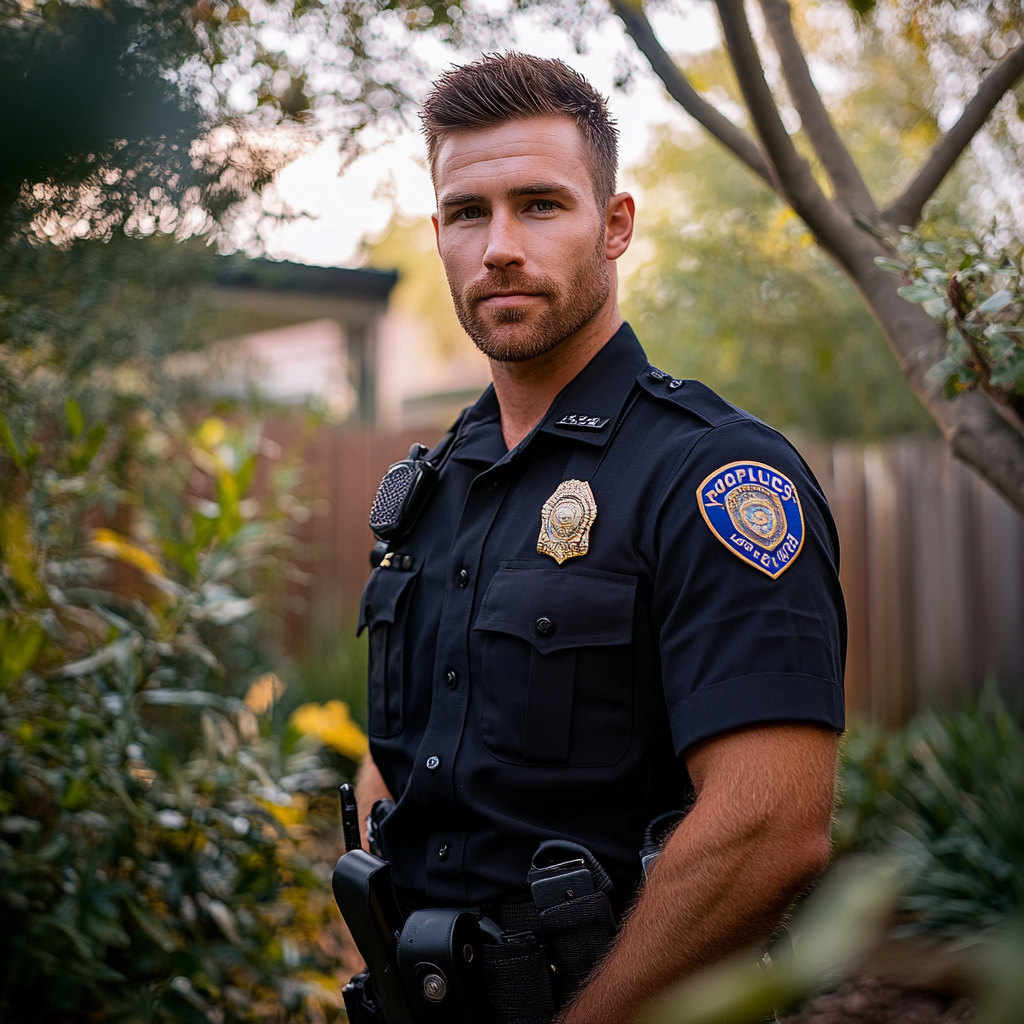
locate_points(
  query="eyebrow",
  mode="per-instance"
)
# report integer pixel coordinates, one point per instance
(538, 189)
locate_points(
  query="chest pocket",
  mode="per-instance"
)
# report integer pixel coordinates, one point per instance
(383, 610)
(557, 665)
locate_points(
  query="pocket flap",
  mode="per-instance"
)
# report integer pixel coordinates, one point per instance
(381, 595)
(582, 608)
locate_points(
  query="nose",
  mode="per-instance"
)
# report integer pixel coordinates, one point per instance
(504, 242)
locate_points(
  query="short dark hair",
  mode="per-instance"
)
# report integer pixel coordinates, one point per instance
(512, 86)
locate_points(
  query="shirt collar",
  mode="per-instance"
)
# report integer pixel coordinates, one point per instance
(585, 410)
(589, 406)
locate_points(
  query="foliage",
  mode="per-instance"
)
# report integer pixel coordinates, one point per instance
(333, 668)
(162, 851)
(148, 113)
(732, 292)
(96, 324)
(978, 296)
(155, 861)
(947, 790)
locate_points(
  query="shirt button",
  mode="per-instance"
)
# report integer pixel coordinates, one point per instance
(492, 484)
(451, 677)
(442, 851)
(544, 626)
(433, 763)
(463, 578)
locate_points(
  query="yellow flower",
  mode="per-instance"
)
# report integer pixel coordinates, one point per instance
(263, 693)
(332, 724)
(115, 545)
(212, 432)
(293, 815)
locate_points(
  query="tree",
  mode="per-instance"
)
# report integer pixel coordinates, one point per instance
(732, 291)
(846, 220)
(147, 114)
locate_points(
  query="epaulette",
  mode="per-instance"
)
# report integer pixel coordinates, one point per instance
(691, 395)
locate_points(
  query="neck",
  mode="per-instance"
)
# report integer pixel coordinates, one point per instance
(526, 390)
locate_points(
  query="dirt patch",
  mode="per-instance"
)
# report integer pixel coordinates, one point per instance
(870, 1001)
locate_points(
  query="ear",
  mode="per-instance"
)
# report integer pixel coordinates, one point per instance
(437, 236)
(620, 213)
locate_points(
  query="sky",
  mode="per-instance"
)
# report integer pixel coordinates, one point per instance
(338, 212)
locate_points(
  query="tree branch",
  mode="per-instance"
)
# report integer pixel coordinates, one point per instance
(794, 179)
(907, 208)
(679, 88)
(834, 156)
(973, 424)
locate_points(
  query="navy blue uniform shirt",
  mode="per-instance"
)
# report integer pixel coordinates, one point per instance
(513, 699)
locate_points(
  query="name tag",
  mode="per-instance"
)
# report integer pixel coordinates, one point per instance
(577, 421)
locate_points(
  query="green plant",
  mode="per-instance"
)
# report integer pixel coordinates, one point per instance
(979, 298)
(948, 791)
(155, 837)
(162, 852)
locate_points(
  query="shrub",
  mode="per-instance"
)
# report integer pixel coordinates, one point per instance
(163, 854)
(948, 791)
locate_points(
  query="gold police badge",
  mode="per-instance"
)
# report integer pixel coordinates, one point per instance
(565, 521)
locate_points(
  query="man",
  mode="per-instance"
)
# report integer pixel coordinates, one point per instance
(674, 634)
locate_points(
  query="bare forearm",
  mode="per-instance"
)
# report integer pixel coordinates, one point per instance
(704, 901)
(370, 788)
(721, 885)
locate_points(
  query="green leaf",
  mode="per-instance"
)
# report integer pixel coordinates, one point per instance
(999, 344)
(885, 263)
(152, 927)
(18, 648)
(7, 439)
(1010, 372)
(996, 302)
(73, 414)
(188, 698)
(936, 308)
(917, 293)
(965, 263)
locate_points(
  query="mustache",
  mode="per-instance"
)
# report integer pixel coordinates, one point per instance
(507, 281)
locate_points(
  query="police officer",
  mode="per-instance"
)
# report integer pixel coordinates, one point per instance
(622, 597)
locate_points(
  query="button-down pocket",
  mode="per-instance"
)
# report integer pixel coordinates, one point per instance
(383, 609)
(557, 665)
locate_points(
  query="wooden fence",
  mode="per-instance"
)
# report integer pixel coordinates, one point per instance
(932, 563)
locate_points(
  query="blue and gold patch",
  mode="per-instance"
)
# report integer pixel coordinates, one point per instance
(755, 512)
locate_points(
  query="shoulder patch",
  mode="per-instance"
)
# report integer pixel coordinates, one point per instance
(755, 512)
(691, 395)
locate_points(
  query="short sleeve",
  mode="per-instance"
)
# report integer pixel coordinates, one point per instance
(739, 647)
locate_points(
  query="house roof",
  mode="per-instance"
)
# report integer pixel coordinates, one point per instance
(282, 276)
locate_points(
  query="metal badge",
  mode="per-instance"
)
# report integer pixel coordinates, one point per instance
(565, 521)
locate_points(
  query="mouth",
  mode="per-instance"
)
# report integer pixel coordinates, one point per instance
(501, 299)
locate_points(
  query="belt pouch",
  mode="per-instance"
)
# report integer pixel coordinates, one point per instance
(577, 934)
(518, 986)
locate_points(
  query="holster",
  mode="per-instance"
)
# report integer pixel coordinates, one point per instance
(456, 966)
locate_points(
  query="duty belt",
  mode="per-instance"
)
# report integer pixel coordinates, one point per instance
(506, 964)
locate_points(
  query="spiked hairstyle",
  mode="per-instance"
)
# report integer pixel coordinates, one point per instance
(505, 87)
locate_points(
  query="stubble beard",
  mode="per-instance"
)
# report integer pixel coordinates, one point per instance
(516, 335)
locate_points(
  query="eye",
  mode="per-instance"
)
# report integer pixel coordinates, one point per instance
(470, 213)
(544, 205)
